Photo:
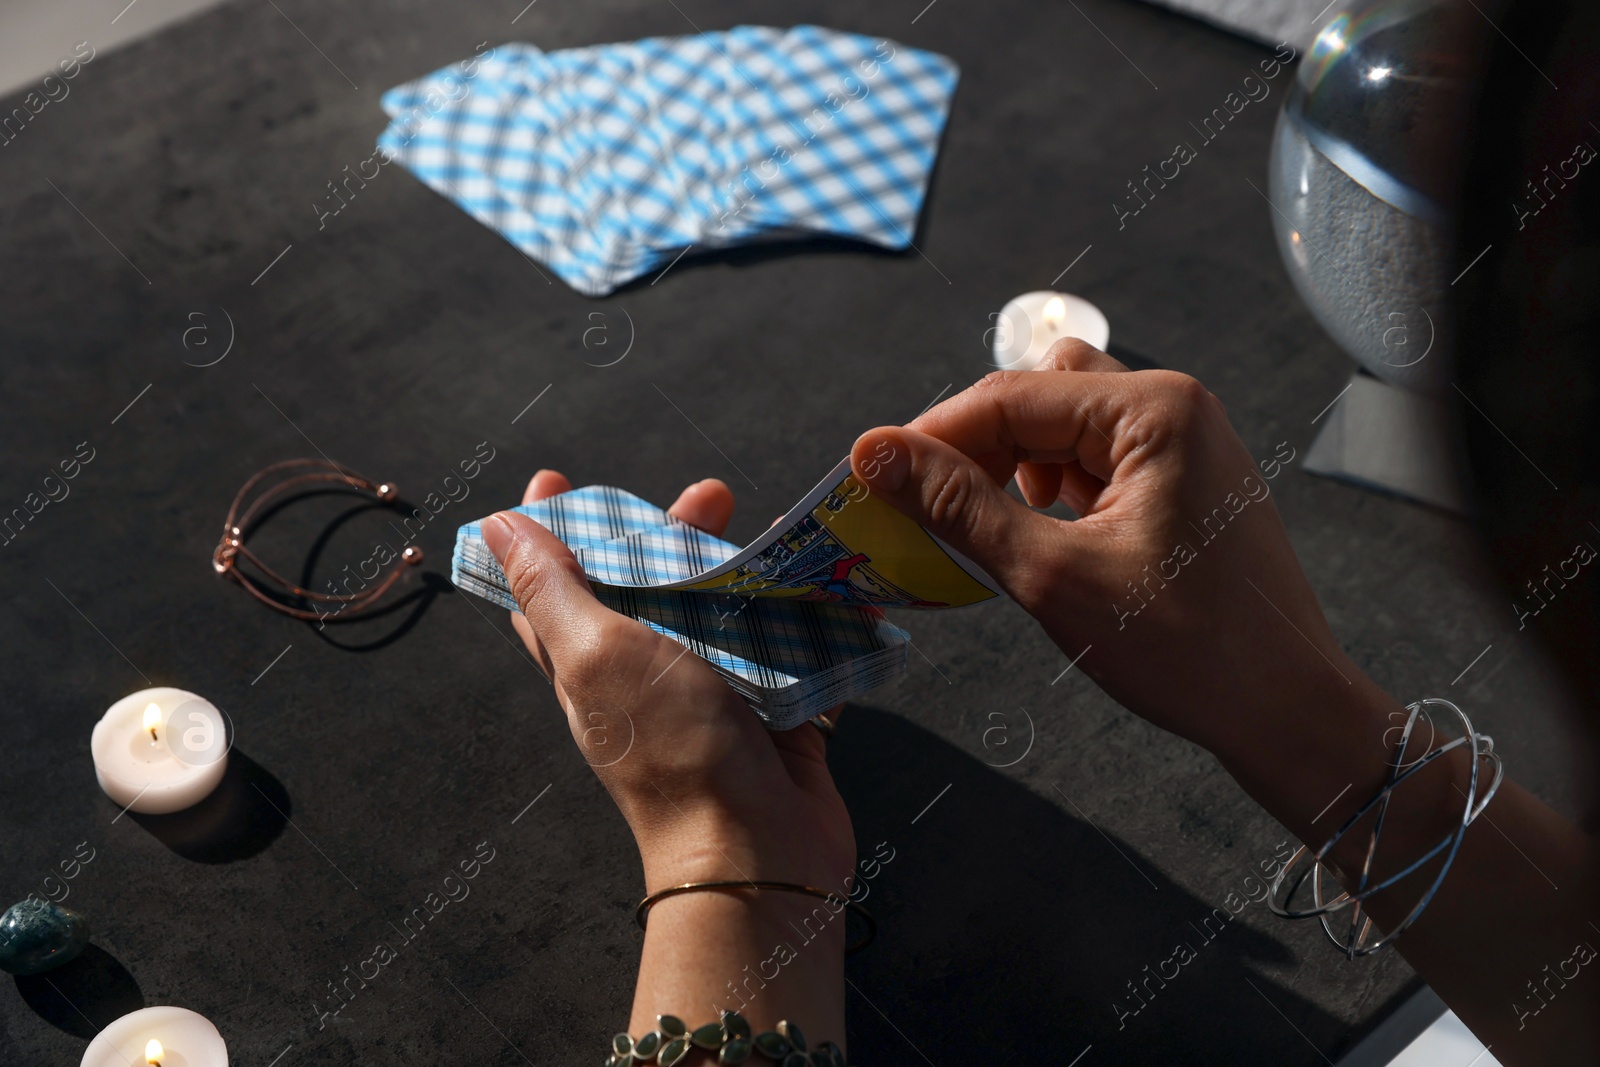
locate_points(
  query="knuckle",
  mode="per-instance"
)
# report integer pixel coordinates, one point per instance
(589, 656)
(526, 576)
(529, 575)
(613, 632)
(954, 500)
(1183, 390)
(1176, 406)
(1069, 353)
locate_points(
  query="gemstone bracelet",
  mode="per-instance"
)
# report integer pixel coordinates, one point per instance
(672, 1041)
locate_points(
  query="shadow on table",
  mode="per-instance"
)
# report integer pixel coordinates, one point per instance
(751, 255)
(83, 995)
(391, 621)
(242, 816)
(397, 613)
(1012, 932)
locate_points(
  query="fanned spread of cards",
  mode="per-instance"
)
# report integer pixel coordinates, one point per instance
(792, 621)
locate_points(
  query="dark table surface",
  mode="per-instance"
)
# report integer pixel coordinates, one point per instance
(402, 335)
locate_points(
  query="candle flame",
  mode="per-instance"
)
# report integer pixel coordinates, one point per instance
(152, 1048)
(1055, 310)
(152, 719)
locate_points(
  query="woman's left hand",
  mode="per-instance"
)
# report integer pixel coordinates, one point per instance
(708, 791)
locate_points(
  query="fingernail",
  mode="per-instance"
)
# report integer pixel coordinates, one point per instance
(887, 465)
(498, 535)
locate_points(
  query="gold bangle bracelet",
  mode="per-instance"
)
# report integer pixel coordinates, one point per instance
(641, 914)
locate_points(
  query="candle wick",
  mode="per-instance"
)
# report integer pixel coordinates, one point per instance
(153, 740)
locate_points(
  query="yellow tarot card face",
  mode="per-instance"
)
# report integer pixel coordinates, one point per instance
(845, 544)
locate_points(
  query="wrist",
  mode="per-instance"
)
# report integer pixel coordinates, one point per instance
(1319, 755)
(1315, 779)
(693, 850)
(767, 954)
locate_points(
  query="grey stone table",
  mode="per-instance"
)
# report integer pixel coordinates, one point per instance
(173, 191)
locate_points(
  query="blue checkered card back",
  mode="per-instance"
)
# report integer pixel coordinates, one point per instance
(790, 659)
(612, 161)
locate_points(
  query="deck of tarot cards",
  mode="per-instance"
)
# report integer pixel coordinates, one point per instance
(793, 621)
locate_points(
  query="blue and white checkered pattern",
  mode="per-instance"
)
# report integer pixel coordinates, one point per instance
(790, 659)
(609, 162)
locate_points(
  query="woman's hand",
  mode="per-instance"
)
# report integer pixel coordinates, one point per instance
(1177, 587)
(709, 792)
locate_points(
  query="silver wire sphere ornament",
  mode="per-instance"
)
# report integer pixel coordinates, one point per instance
(1355, 941)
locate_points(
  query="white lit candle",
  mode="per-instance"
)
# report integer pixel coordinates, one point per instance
(170, 1037)
(160, 750)
(1029, 324)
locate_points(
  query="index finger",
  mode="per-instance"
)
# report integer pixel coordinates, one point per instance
(1097, 419)
(545, 483)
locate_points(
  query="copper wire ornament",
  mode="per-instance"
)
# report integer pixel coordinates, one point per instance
(231, 550)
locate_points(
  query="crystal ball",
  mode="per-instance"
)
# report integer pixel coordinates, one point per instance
(1364, 162)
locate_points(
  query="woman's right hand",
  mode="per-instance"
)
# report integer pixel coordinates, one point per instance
(1177, 586)
(1220, 639)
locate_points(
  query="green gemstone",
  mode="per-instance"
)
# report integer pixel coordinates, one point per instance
(794, 1034)
(796, 1059)
(772, 1045)
(622, 1045)
(735, 1051)
(647, 1046)
(36, 935)
(674, 1051)
(672, 1026)
(708, 1036)
(821, 1058)
(735, 1024)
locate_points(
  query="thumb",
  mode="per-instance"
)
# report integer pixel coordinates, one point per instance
(549, 585)
(950, 495)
